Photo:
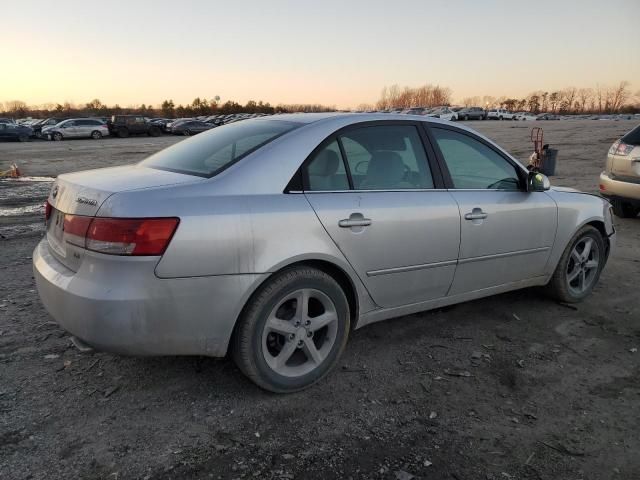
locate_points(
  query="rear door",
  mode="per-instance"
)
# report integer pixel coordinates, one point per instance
(506, 232)
(383, 204)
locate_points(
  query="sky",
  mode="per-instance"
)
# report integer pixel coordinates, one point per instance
(332, 52)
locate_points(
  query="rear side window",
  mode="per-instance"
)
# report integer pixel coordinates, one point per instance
(633, 137)
(473, 165)
(211, 152)
(385, 157)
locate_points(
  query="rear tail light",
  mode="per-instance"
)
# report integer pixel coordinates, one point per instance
(135, 236)
(119, 236)
(47, 211)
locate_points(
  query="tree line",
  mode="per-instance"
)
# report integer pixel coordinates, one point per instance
(570, 100)
(168, 108)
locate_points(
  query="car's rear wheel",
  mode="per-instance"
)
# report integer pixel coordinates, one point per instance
(57, 136)
(624, 209)
(123, 132)
(154, 132)
(466, 117)
(579, 267)
(96, 135)
(187, 132)
(23, 138)
(293, 330)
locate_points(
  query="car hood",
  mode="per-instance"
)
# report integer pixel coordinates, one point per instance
(83, 193)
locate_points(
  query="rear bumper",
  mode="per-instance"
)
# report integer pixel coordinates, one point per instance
(118, 304)
(615, 189)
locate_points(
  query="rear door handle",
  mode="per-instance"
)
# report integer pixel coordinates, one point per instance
(476, 214)
(354, 220)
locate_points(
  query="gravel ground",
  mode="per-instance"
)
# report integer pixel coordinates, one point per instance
(510, 387)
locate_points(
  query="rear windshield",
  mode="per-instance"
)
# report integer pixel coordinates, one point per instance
(633, 137)
(211, 152)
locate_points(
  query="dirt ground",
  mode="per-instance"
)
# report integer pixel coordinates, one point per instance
(510, 387)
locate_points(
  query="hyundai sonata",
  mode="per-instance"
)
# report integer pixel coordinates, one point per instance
(273, 238)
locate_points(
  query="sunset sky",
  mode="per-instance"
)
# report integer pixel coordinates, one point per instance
(332, 52)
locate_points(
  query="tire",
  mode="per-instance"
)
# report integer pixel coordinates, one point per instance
(256, 346)
(57, 136)
(500, 118)
(563, 289)
(466, 117)
(624, 209)
(96, 135)
(123, 132)
(23, 138)
(187, 133)
(154, 132)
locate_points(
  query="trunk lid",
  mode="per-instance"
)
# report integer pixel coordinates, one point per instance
(83, 193)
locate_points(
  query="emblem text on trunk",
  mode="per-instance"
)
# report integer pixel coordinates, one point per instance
(87, 201)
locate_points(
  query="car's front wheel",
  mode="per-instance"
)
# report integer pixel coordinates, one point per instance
(96, 135)
(293, 330)
(57, 136)
(579, 267)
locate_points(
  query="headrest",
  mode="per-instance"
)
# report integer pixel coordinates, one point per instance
(325, 164)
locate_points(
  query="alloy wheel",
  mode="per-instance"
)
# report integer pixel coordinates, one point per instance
(582, 268)
(300, 332)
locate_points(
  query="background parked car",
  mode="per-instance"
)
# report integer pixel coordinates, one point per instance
(13, 131)
(414, 111)
(547, 116)
(47, 122)
(76, 128)
(191, 127)
(124, 125)
(525, 116)
(444, 113)
(472, 113)
(6, 120)
(500, 114)
(620, 181)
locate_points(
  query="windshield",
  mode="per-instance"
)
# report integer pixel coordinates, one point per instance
(209, 153)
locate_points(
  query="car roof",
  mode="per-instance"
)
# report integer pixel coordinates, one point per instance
(342, 118)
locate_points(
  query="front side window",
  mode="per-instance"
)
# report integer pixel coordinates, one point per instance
(473, 165)
(387, 157)
(207, 154)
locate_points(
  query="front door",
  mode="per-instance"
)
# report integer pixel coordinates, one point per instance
(506, 232)
(373, 190)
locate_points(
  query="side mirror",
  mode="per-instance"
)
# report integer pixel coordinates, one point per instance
(538, 182)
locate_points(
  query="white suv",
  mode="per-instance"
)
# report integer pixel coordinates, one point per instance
(500, 114)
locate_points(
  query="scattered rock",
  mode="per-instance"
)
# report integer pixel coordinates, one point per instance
(111, 390)
(288, 456)
(457, 374)
(51, 356)
(402, 475)
(432, 415)
(520, 363)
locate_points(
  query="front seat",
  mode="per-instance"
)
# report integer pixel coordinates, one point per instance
(386, 171)
(322, 170)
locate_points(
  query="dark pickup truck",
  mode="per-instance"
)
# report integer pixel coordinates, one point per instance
(124, 125)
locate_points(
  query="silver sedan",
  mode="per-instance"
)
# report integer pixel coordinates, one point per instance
(273, 238)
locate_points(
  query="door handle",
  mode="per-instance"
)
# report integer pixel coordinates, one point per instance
(354, 220)
(476, 214)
